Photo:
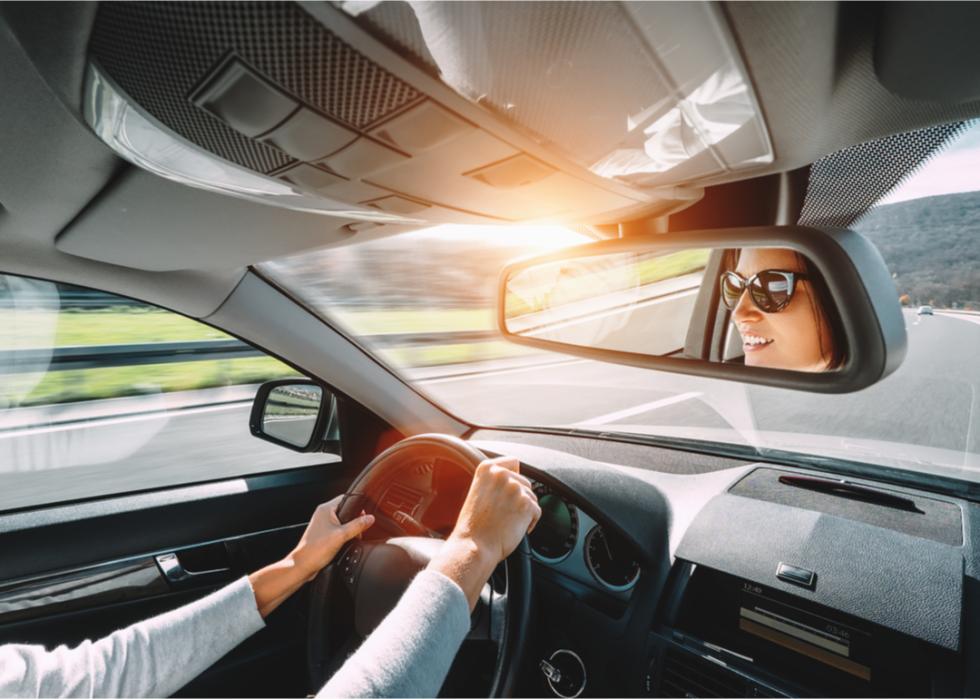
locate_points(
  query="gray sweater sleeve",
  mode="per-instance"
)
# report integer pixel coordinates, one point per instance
(410, 652)
(155, 657)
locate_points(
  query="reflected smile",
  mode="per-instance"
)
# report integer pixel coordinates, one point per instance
(752, 343)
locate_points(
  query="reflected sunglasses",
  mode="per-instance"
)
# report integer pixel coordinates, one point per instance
(771, 289)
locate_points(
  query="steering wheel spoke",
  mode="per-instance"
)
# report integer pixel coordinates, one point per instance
(489, 617)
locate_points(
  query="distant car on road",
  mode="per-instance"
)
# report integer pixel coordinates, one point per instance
(925, 311)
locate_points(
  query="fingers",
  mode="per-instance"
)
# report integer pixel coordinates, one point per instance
(328, 509)
(525, 490)
(507, 462)
(535, 514)
(523, 480)
(508, 465)
(356, 526)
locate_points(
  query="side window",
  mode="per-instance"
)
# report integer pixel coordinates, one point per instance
(100, 395)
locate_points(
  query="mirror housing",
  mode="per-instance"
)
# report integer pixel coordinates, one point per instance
(855, 274)
(298, 414)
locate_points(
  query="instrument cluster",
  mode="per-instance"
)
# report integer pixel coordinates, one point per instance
(570, 541)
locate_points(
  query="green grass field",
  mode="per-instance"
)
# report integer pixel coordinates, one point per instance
(123, 325)
(620, 274)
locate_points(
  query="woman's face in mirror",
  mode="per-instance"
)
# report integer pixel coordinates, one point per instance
(798, 337)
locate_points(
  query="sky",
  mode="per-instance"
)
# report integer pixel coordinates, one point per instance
(955, 169)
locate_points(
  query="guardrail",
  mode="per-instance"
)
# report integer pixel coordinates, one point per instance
(956, 311)
(112, 356)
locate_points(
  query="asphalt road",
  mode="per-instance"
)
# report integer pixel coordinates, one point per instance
(123, 454)
(931, 402)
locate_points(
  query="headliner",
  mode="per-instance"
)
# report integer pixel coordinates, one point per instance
(812, 65)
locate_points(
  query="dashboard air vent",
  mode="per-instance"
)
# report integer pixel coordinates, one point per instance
(401, 498)
(689, 675)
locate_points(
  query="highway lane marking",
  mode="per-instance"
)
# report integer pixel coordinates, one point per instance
(101, 422)
(637, 409)
(961, 316)
(500, 372)
(606, 312)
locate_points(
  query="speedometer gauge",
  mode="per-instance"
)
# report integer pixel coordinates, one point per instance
(554, 536)
(610, 559)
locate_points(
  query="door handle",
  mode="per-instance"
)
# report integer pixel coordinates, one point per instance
(174, 571)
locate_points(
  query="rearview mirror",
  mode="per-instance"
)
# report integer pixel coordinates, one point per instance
(297, 414)
(786, 306)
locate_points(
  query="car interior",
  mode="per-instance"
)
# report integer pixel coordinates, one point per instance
(174, 154)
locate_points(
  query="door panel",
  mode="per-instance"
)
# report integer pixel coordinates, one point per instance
(84, 570)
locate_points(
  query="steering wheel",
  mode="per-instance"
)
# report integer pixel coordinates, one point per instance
(375, 571)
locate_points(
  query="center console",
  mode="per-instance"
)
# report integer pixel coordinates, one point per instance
(727, 636)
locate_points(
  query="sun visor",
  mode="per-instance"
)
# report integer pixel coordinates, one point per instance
(646, 93)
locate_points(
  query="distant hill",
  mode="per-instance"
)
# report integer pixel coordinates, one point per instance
(932, 246)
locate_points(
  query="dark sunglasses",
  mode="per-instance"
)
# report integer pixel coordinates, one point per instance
(770, 289)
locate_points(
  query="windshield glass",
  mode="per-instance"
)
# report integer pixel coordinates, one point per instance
(424, 303)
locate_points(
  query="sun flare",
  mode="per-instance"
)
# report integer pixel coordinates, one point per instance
(534, 237)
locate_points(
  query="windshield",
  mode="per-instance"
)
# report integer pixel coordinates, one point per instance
(424, 303)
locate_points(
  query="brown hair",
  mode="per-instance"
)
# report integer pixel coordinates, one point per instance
(821, 304)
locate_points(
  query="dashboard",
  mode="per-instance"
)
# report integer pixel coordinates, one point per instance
(654, 577)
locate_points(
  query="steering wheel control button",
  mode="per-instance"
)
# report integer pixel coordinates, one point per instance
(565, 673)
(247, 102)
(796, 576)
(349, 563)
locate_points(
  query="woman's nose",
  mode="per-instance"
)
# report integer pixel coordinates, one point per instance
(746, 310)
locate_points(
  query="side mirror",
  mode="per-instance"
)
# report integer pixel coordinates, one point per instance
(788, 306)
(297, 414)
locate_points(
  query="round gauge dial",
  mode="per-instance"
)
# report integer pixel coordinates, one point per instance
(610, 559)
(554, 536)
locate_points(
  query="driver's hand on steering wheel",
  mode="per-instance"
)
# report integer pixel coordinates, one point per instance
(499, 510)
(325, 536)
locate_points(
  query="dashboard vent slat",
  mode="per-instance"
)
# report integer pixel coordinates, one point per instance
(399, 497)
(688, 675)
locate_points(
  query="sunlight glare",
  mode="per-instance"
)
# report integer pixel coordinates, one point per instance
(533, 237)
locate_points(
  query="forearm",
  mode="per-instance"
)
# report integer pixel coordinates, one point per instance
(467, 564)
(276, 582)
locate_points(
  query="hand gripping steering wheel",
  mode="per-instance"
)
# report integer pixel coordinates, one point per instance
(367, 577)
